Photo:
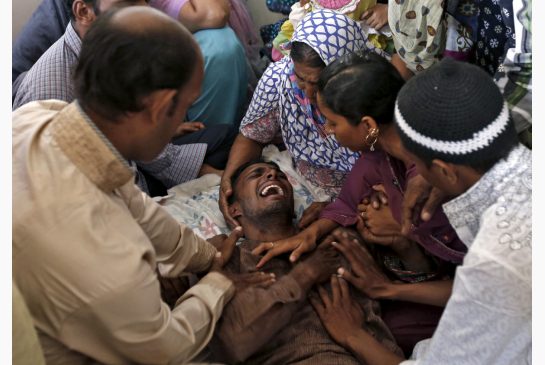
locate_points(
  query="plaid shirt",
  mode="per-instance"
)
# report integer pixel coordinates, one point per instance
(51, 78)
(51, 75)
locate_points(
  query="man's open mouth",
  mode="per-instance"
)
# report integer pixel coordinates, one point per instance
(271, 190)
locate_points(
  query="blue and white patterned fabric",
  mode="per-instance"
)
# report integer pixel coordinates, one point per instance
(331, 34)
(496, 33)
(280, 107)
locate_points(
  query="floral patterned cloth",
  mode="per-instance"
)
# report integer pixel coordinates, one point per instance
(495, 33)
(423, 33)
(280, 6)
(281, 107)
(419, 29)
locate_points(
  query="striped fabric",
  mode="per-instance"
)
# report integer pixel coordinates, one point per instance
(50, 77)
(176, 164)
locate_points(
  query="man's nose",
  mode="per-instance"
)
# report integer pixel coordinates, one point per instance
(271, 174)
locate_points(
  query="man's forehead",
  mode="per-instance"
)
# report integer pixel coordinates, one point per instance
(259, 165)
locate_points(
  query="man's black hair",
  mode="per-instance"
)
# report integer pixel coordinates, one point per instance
(240, 170)
(118, 67)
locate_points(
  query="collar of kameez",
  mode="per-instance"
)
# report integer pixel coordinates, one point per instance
(87, 147)
(506, 177)
(72, 39)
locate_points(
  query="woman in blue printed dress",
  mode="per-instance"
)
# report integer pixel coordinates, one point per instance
(283, 108)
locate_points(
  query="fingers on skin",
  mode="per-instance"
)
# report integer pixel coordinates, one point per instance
(237, 232)
(230, 243)
(277, 250)
(351, 278)
(226, 187)
(274, 250)
(302, 248)
(362, 207)
(436, 196)
(360, 225)
(349, 254)
(262, 247)
(318, 305)
(298, 246)
(375, 202)
(409, 203)
(368, 235)
(306, 220)
(345, 274)
(296, 254)
(335, 289)
(217, 262)
(345, 292)
(225, 193)
(260, 278)
(311, 214)
(324, 296)
(383, 198)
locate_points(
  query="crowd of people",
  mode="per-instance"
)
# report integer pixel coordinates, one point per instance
(422, 254)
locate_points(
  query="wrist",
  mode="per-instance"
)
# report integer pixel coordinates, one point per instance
(312, 233)
(401, 245)
(303, 276)
(389, 291)
(354, 339)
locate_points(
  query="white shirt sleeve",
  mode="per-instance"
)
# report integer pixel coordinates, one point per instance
(488, 317)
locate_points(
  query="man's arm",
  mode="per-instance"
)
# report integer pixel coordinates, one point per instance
(177, 248)
(428, 292)
(343, 318)
(119, 316)
(132, 323)
(204, 14)
(196, 14)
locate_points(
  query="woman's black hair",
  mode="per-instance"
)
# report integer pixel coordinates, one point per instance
(304, 54)
(361, 84)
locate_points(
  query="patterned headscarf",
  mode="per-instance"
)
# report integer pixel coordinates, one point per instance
(318, 156)
(330, 34)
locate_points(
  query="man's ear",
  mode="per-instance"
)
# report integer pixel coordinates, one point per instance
(235, 210)
(159, 103)
(448, 172)
(83, 13)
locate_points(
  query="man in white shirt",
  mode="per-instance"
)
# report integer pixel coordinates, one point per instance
(457, 128)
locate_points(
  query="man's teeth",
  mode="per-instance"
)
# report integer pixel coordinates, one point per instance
(276, 187)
